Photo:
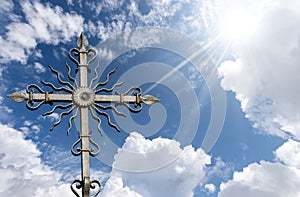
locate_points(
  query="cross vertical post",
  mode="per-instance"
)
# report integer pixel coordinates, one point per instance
(84, 123)
(83, 97)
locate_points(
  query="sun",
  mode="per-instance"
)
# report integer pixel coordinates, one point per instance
(236, 23)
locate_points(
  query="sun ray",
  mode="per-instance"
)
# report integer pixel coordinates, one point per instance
(60, 116)
(96, 118)
(56, 88)
(107, 79)
(69, 75)
(109, 89)
(70, 121)
(59, 79)
(110, 107)
(108, 118)
(56, 107)
(96, 75)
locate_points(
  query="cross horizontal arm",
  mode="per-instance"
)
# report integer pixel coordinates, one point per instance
(117, 98)
(120, 98)
(33, 97)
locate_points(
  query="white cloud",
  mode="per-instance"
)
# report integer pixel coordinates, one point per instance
(114, 187)
(63, 161)
(43, 23)
(220, 169)
(25, 131)
(36, 128)
(39, 68)
(159, 11)
(289, 153)
(6, 6)
(70, 2)
(182, 15)
(2, 69)
(266, 179)
(147, 173)
(112, 4)
(29, 129)
(263, 179)
(27, 123)
(110, 30)
(4, 110)
(55, 191)
(265, 74)
(211, 188)
(53, 117)
(22, 169)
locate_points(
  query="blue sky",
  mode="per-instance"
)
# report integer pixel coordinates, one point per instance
(225, 72)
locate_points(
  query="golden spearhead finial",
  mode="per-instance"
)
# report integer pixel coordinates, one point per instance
(17, 96)
(82, 42)
(149, 99)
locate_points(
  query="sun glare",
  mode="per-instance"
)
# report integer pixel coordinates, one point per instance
(237, 24)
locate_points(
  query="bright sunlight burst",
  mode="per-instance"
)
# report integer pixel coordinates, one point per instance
(237, 22)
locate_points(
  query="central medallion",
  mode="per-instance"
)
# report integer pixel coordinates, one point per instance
(83, 97)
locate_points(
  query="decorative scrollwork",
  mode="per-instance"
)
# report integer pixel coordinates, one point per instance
(76, 152)
(93, 152)
(95, 183)
(138, 108)
(136, 91)
(30, 106)
(78, 184)
(30, 102)
(36, 87)
(93, 55)
(76, 53)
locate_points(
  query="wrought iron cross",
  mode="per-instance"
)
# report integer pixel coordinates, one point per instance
(83, 97)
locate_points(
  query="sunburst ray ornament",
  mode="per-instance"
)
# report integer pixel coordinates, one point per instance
(85, 97)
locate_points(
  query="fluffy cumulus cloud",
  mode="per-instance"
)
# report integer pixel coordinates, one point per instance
(41, 23)
(264, 77)
(289, 153)
(157, 167)
(266, 179)
(22, 170)
(265, 74)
